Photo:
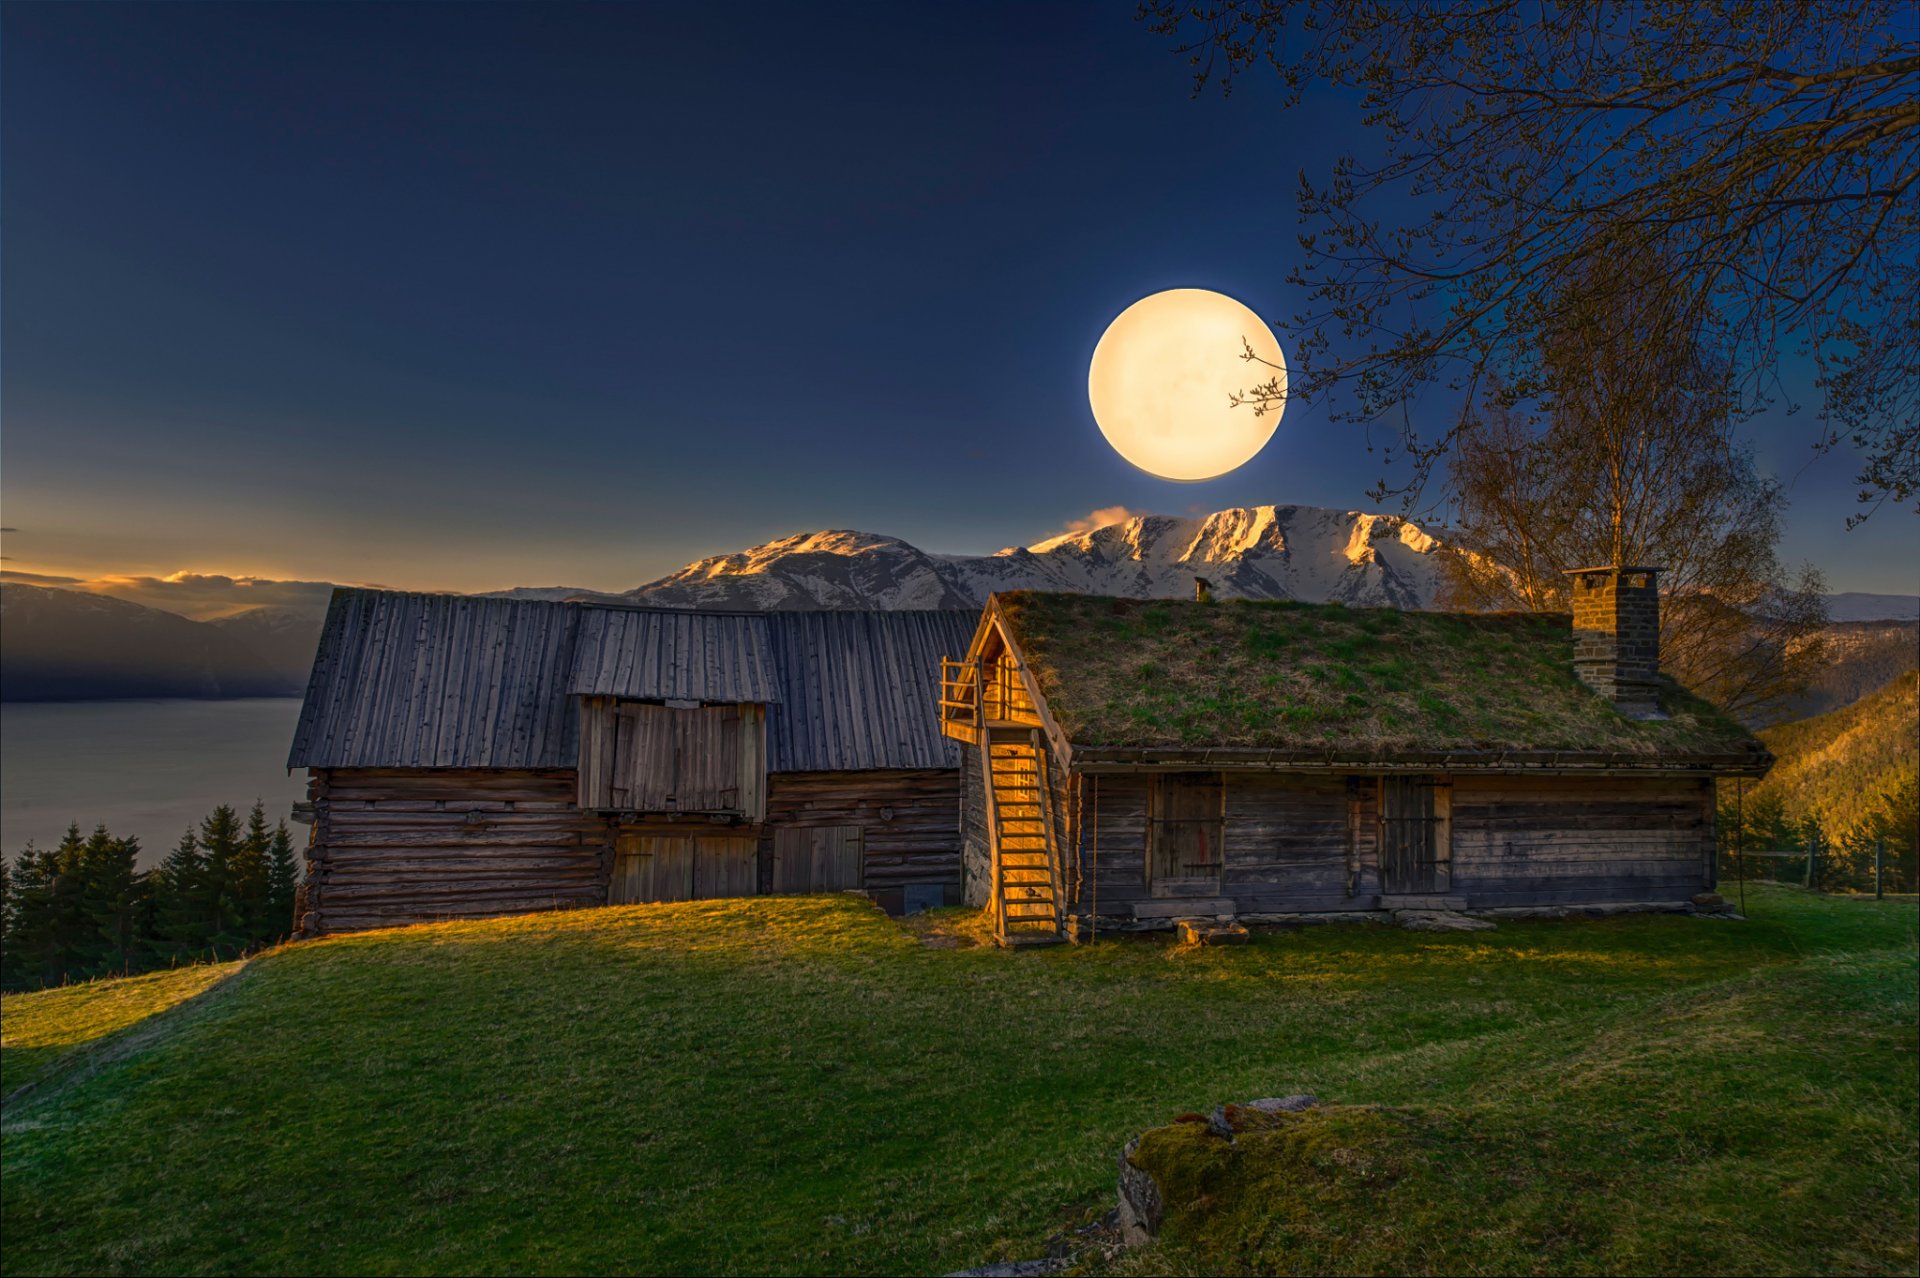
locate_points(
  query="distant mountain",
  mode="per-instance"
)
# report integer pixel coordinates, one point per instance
(1862, 656)
(76, 644)
(1257, 552)
(282, 637)
(1839, 764)
(58, 645)
(1854, 605)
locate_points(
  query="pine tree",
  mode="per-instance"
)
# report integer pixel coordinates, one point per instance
(223, 902)
(283, 880)
(113, 896)
(252, 877)
(28, 933)
(6, 912)
(71, 941)
(177, 893)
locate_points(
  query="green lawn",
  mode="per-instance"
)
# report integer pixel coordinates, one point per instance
(803, 1085)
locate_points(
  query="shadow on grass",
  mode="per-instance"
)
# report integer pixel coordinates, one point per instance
(45, 1032)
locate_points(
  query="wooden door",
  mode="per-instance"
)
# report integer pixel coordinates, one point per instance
(1416, 835)
(678, 867)
(1185, 834)
(818, 858)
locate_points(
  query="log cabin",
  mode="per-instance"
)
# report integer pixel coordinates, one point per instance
(470, 756)
(1131, 762)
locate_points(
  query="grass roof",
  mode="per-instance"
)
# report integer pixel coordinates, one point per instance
(1324, 677)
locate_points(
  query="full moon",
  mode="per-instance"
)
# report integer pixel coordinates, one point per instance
(1161, 378)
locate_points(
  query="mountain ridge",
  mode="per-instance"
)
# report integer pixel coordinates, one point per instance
(1262, 552)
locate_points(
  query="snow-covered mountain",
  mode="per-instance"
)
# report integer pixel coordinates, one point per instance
(1258, 552)
(1855, 605)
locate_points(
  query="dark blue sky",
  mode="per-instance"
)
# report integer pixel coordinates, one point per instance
(475, 296)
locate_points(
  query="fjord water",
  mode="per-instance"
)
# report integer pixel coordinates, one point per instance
(146, 768)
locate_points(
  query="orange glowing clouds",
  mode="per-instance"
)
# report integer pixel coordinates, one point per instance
(1162, 375)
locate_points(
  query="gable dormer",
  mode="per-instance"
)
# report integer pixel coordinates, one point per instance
(673, 713)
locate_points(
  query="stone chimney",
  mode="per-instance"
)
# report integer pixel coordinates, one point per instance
(1616, 636)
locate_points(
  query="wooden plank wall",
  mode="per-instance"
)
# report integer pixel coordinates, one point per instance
(1295, 843)
(394, 846)
(817, 858)
(976, 871)
(1562, 841)
(682, 867)
(909, 822)
(640, 757)
(1286, 846)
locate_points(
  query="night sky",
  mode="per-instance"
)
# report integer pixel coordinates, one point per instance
(468, 297)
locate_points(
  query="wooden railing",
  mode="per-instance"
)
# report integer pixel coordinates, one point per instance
(978, 692)
(959, 693)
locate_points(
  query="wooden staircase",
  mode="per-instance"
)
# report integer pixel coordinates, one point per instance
(1026, 885)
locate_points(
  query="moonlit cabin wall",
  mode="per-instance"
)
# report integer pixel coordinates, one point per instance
(391, 846)
(400, 846)
(1309, 844)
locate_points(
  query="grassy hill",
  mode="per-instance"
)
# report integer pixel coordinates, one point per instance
(803, 1085)
(1839, 764)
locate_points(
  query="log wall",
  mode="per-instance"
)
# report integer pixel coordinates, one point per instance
(1560, 841)
(975, 853)
(909, 822)
(1309, 843)
(398, 846)
(394, 846)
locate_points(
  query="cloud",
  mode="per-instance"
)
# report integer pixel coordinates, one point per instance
(1099, 518)
(203, 596)
(198, 595)
(35, 578)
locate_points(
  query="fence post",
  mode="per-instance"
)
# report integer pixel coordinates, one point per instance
(1813, 854)
(1879, 869)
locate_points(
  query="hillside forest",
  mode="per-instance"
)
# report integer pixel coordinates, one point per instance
(84, 909)
(1842, 782)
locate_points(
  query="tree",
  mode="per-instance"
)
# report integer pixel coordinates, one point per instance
(252, 876)
(1626, 455)
(1894, 825)
(1766, 150)
(224, 882)
(6, 911)
(283, 882)
(177, 890)
(113, 896)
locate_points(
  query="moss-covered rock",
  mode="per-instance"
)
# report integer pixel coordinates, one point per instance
(1274, 1180)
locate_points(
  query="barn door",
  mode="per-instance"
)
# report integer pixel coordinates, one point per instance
(1416, 836)
(818, 858)
(678, 867)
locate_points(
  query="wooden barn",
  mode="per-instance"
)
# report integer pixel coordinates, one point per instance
(1134, 762)
(472, 756)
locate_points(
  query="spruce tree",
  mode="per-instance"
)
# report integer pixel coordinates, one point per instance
(6, 912)
(28, 931)
(252, 877)
(177, 894)
(113, 894)
(223, 882)
(72, 943)
(283, 880)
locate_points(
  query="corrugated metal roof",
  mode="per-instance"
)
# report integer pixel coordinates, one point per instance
(862, 689)
(440, 681)
(657, 655)
(453, 681)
